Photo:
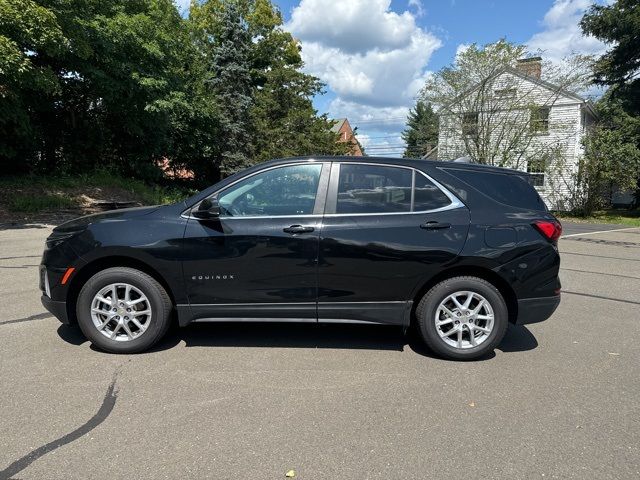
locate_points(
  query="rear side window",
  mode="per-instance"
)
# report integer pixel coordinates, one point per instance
(427, 196)
(508, 189)
(373, 189)
(386, 189)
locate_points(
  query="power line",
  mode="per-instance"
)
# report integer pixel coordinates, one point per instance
(379, 120)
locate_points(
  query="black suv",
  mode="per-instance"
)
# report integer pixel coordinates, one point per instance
(460, 250)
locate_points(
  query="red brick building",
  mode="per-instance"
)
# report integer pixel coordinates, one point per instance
(343, 127)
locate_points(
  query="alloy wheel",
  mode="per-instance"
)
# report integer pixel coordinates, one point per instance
(464, 319)
(121, 312)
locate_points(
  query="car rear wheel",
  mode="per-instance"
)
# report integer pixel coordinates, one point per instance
(462, 318)
(123, 310)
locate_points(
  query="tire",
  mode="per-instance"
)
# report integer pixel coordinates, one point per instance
(443, 294)
(145, 294)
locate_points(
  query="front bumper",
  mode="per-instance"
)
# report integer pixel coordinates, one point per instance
(534, 310)
(58, 309)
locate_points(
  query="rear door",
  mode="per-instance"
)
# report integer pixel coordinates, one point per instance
(386, 230)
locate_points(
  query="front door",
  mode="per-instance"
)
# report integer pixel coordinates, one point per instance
(387, 230)
(258, 260)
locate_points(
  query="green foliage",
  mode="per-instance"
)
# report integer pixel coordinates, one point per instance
(40, 193)
(472, 66)
(421, 134)
(617, 24)
(124, 84)
(231, 84)
(39, 203)
(280, 120)
(617, 216)
(609, 162)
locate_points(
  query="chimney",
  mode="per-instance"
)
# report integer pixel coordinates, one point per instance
(531, 66)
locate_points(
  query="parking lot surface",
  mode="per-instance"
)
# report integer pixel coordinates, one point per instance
(559, 399)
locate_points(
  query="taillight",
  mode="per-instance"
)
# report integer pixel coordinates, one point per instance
(551, 230)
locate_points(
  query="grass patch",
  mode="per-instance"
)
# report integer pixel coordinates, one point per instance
(38, 203)
(41, 194)
(630, 218)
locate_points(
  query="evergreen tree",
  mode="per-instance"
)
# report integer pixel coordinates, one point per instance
(421, 134)
(286, 124)
(618, 24)
(231, 83)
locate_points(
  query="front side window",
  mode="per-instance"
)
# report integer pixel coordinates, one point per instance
(373, 189)
(289, 190)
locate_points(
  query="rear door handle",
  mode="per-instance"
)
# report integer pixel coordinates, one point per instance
(298, 229)
(435, 225)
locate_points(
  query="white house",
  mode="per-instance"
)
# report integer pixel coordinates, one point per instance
(516, 119)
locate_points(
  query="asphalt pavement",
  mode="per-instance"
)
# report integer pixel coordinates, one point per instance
(559, 399)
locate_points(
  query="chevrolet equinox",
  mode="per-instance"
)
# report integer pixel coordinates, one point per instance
(458, 250)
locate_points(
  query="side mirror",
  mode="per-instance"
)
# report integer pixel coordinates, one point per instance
(208, 208)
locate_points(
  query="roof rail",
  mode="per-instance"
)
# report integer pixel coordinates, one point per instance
(465, 159)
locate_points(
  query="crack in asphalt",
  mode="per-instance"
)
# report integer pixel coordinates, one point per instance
(22, 256)
(598, 241)
(601, 297)
(104, 411)
(38, 316)
(599, 273)
(601, 256)
(18, 266)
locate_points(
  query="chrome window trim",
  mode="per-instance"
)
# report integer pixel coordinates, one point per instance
(455, 202)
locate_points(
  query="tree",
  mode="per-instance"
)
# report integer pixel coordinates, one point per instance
(95, 83)
(129, 83)
(421, 134)
(231, 83)
(265, 100)
(286, 124)
(26, 29)
(618, 25)
(489, 114)
(610, 163)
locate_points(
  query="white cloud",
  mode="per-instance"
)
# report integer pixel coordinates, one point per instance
(417, 4)
(353, 26)
(562, 34)
(374, 59)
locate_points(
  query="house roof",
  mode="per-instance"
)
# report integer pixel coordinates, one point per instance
(524, 76)
(339, 122)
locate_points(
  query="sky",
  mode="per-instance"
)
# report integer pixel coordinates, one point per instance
(374, 55)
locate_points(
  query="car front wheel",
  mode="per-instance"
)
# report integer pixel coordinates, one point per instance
(123, 310)
(462, 318)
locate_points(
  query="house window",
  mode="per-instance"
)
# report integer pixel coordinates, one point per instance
(536, 170)
(470, 124)
(539, 122)
(506, 93)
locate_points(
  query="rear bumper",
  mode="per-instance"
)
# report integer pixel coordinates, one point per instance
(534, 310)
(58, 309)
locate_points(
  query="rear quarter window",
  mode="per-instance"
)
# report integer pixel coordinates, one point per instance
(508, 189)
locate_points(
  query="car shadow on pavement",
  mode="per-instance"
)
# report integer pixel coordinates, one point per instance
(518, 339)
(304, 335)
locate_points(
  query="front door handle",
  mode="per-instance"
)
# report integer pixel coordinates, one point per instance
(435, 225)
(298, 229)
